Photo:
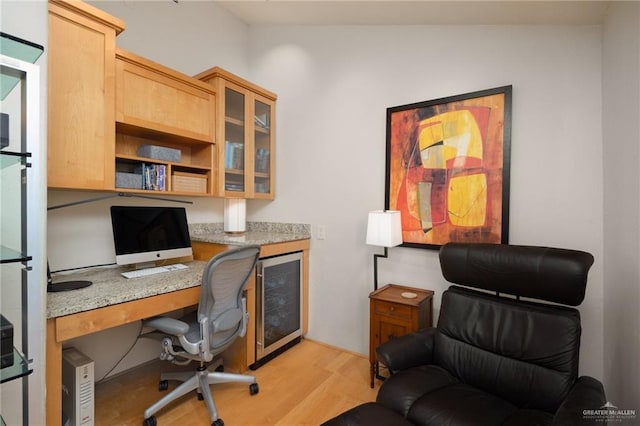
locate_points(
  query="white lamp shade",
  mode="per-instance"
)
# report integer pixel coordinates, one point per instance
(384, 228)
(235, 215)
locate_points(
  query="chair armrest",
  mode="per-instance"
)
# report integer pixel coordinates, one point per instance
(168, 325)
(587, 394)
(410, 350)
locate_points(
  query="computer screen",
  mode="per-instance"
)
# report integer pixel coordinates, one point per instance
(146, 234)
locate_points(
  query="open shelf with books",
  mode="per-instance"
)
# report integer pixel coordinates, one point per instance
(179, 168)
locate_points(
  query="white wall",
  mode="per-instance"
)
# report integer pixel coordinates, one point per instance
(621, 139)
(334, 85)
(189, 36)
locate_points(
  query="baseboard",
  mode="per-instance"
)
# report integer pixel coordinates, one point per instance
(259, 363)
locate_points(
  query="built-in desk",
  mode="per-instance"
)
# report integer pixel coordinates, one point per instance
(113, 300)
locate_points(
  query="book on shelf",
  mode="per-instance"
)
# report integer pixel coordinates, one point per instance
(262, 120)
(233, 155)
(262, 160)
(154, 176)
(238, 187)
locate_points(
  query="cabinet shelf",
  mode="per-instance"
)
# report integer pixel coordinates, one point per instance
(238, 172)
(20, 368)
(234, 121)
(134, 158)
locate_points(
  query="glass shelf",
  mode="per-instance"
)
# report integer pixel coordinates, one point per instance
(8, 255)
(12, 158)
(20, 368)
(19, 49)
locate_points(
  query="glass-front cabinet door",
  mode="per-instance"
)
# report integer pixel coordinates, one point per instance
(248, 144)
(263, 149)
(245, 136)
(234, 142)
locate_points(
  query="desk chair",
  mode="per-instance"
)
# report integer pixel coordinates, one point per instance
(204, 335)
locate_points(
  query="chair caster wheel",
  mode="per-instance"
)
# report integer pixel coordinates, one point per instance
(200, 397)
(218, 422)
(254, 388)
(163, 385)
(151, 421)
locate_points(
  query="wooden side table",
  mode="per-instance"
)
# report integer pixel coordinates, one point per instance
(392, 315)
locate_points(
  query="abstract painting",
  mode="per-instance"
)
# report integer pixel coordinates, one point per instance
(448, 168)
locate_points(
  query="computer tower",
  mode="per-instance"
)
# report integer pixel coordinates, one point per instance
(4, 130)
(78, 399)
(6, 344)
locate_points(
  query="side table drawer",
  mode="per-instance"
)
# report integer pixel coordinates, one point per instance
(392, 309)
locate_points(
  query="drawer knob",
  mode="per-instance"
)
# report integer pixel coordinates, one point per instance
(392, 308)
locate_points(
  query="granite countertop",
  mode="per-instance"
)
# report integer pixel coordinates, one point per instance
(111, 288)
(259, 233)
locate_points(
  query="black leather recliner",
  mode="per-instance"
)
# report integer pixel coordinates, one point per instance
(494, 358)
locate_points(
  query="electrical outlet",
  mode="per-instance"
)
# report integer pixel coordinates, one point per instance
(321, 232)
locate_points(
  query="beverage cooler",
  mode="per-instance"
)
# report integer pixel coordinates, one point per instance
(279, 305)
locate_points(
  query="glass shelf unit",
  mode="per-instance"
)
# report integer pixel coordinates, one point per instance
(22, 230)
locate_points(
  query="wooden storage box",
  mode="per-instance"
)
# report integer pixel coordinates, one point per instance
(189, 182)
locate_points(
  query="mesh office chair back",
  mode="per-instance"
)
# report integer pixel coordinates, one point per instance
(223, 282)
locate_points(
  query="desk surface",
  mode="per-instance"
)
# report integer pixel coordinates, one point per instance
(111, 288)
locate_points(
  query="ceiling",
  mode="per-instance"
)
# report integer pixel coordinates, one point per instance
(416, 12)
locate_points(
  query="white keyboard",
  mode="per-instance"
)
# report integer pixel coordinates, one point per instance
(151, 271)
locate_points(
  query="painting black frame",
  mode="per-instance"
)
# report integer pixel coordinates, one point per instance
(497, 103)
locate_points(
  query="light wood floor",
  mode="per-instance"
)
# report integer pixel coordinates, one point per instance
(306, 385)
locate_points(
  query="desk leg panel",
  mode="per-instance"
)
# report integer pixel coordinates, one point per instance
(53, 376)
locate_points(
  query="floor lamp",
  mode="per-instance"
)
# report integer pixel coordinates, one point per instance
(384, 228)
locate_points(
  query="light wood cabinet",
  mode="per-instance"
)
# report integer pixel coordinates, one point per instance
(81, 96)
(245, 132)
(161, 107)
(392, 315)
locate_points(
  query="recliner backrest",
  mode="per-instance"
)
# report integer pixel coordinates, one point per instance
(223, 281)
(527, 353)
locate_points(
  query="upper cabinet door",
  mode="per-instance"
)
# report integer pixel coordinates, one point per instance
(264, 147)
(81, 96)
(235, 138)
(245, 129)
(152, 97)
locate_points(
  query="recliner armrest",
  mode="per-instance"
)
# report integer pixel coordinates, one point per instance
(168, 325)
(587, 394)
(410, 350)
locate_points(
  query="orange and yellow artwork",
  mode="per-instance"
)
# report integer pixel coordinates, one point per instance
(448, 168)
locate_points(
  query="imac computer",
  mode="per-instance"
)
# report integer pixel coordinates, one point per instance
(143, 235)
